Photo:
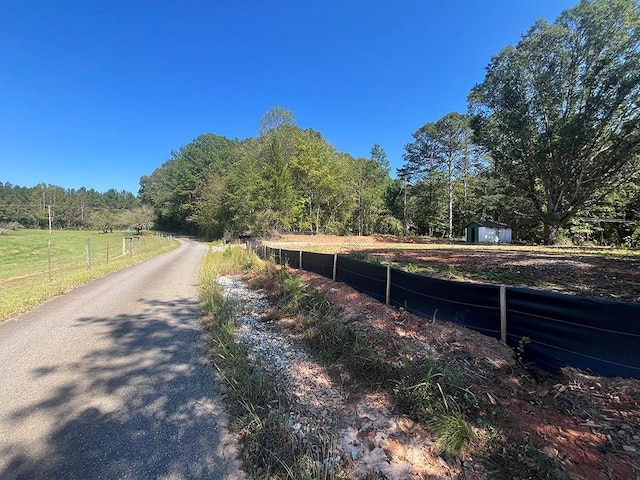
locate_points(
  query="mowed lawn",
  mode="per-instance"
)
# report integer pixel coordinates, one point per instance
(36, 265)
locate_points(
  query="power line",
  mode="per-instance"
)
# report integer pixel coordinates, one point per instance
(605, 220)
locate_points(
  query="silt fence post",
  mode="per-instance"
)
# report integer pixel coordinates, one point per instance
(503, 314)
(335, 266)
(388, 290)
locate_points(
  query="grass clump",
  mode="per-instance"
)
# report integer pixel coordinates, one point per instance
(451, 432)
(335, 342)
(435, 395)
(429, 388)
(232, 260)
(289, 292)
(518, 459)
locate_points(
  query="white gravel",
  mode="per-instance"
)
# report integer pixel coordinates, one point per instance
(360, 435)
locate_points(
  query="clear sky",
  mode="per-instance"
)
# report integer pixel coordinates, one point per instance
(97, 93)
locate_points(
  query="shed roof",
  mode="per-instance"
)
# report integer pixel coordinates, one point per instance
(488, 224)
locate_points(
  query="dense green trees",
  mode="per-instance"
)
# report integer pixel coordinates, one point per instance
(291, 179)
(558, 120)
(78, 209)
(286, 179)
(371, 182)
(559, 112)
(175, 188)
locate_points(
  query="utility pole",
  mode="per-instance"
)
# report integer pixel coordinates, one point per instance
(404, 173)
(405, 212)
(49, 210)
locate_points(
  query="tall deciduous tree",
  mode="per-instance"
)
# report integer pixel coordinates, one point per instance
(559, 112)
(275, 118)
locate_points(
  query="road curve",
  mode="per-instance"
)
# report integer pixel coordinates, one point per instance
(111, 381)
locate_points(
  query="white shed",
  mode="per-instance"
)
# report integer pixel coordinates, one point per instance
(486, 231)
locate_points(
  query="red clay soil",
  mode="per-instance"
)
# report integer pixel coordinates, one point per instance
(615, 278)
(589, 427)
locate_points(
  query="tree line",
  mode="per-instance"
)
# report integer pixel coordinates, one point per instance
(285, 179)
(550, 145)
(29, 207)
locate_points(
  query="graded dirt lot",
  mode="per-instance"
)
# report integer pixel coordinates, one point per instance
(588, 426)
(596, 272)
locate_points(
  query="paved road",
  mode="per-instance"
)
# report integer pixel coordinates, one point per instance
(110, 381)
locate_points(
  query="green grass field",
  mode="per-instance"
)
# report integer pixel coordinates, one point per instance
(35, 266)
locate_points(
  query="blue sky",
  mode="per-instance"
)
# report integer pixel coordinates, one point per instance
(98, 93)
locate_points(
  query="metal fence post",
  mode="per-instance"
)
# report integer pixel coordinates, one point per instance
(300, 260)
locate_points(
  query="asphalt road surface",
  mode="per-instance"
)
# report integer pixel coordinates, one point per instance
(110, 381)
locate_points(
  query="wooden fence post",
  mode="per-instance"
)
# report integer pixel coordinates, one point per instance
(335, 266)
(388, 290)
(503, 314)
(49, 258)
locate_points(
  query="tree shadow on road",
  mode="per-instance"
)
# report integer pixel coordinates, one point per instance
(140, 405)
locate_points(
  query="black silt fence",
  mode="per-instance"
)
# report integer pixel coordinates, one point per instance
(601, 336)
(365, 277)
(291, 258)
(474, 306)
(320, 263)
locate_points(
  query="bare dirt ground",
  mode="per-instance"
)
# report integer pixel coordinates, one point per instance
(588, 426)
(596, 272)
